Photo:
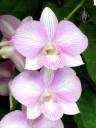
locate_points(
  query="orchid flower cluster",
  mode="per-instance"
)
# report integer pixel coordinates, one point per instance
(48, 45)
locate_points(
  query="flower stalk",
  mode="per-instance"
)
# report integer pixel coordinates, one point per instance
(74, 10)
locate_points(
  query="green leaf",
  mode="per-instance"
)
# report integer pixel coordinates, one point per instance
(90, 54)
(61, 13)
(68, 122)
(87, 106)
(21, 8)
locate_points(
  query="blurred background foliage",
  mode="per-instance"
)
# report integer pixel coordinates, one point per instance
(85, 19)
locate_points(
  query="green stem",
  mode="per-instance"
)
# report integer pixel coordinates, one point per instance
(13, 102)
(74, 10)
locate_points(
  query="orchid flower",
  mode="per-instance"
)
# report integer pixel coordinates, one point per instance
(49, 43)
(94, 2)
(50, 92)
(6, 74)
(8, 25)
(17, 119)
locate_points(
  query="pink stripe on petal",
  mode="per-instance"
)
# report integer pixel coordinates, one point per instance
(50, 22)
(53, 61)
(48, 76)
(52, 110)
(70, 39)
(66, 85)
(14, 119)
(28, 87)
(30, 38)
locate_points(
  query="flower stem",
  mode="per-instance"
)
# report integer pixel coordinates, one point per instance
(74, 10)
(13, 102)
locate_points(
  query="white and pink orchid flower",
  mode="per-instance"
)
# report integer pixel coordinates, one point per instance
(17, 119)
(49, 43)
(8, 25)
(50, 92)
(6, 74)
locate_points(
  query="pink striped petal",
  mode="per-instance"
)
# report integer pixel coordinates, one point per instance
(27, 87)
(69, 108)
(29, 39)
(52, 110)
(14, 119)
(66, 85)
(34, 63)
(34, 112)
(8, 24)
(50, 22)
(70, 39)
(43, 122)
(48, 76)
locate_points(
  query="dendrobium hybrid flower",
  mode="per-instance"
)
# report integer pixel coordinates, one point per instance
(94, 2)
(8, 25)
(49, 43)
(52, 93)
(6, 74)
(17, 119)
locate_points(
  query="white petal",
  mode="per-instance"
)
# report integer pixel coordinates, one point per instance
(34, 63)
(34, 112)
(71, 61)
(69, 108)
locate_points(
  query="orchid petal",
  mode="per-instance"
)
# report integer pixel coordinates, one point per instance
(34, 112)
(71, 61)
(26, 19)
(50, 22)
(52, 110)
(70, 39)
(43, 122)
(27, 87)
(4, 90)
(6, 70)
(95, 2)
(18, 60)
(14, 119)
(53, 61)
(66, 85)
(6, 73)
(34, 63)
(69, 108)
(12, 54)
(48, 76)
(29, 39)
(8, 24)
